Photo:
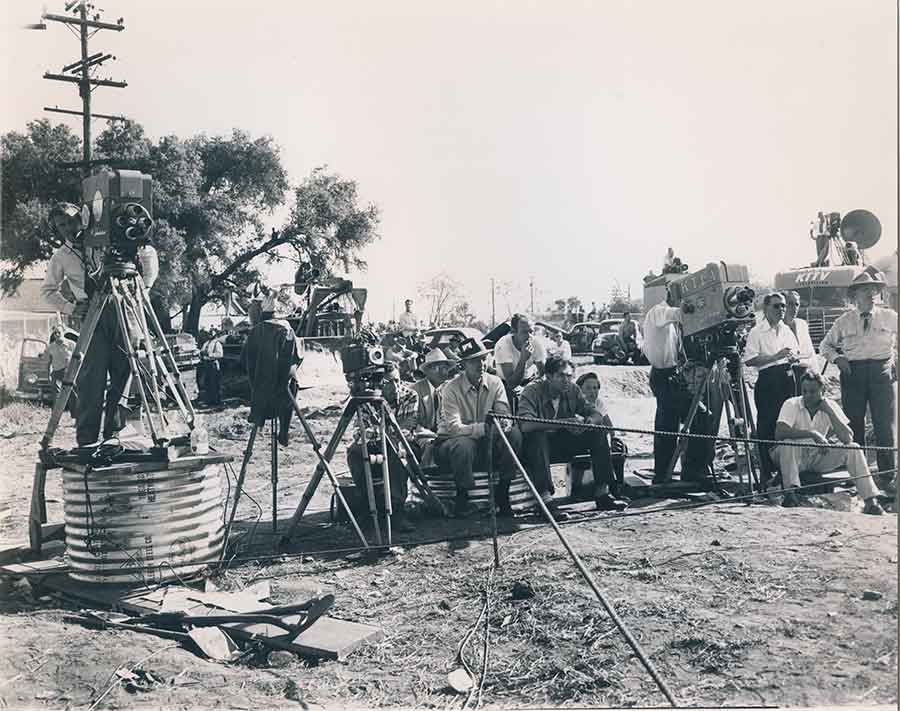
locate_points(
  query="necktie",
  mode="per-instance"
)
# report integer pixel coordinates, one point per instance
(867, 321)
(437, 411)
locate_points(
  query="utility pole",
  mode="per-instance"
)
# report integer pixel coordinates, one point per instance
(531, 285)
(493, 310)
(79, 72)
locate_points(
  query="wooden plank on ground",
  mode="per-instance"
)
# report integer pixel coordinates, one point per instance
(37, 567)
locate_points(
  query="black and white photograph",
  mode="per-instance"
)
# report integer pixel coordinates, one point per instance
(474, 355)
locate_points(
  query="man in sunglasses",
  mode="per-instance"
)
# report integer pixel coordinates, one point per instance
(861, 343)
(772, 348)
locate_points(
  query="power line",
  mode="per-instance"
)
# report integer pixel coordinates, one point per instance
(81, 69)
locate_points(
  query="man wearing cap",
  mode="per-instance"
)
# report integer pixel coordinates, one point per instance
(68, 286)
(408, 321)
(861, 343)
(437, 368)
(463, 434)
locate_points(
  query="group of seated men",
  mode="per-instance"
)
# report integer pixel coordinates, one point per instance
(446, 415)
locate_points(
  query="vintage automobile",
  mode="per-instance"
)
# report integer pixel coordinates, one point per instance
(34, 367)
(34, 371)
(582, 335)
(607, 347)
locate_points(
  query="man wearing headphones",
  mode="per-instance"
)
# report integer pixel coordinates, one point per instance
(68, 287)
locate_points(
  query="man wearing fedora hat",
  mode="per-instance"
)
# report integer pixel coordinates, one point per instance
(861, 343)
(437, 368)
(463, 439)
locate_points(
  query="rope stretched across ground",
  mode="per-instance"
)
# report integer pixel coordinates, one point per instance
(664, 433)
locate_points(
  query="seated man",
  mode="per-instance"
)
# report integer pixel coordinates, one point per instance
(404, 402)
(556, 397)
(810, 417)
(463, 439)
(437, 368)
(519, 357)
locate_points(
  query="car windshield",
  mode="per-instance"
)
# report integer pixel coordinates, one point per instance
(823, 297)
(608, 327)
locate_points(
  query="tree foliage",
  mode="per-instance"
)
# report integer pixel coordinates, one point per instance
(212, 197)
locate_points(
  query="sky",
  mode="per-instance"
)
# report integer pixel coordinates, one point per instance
(568, 143)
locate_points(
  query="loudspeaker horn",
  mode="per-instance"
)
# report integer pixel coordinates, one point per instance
(862, 227)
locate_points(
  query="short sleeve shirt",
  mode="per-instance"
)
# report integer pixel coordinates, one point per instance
(794, 414)
(506, 352)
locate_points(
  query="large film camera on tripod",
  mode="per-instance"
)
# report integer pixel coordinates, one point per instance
(717, 303)
(717, 308)
(117, 214)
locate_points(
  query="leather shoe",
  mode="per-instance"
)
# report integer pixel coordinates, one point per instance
(608, 503)
(790, 500)
(873, 508)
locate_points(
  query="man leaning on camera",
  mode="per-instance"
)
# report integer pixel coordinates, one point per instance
(68, 287)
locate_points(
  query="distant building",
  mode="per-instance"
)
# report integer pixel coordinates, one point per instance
(25, 313)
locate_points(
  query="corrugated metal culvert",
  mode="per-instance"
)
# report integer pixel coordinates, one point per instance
(139, 527)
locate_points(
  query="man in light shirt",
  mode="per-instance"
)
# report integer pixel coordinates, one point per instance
(519, 356)
(69, 275)
(463, 439)
(662, 347)
(212, 353)
(408, 322)
(861, 343)
(807, 359)
(772, 348)
(559, 345)
(810, 417)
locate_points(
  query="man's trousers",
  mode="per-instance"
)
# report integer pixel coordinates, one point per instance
(792, 460)
(542, 448)
(869, 384)
(105, 356)
(463, 455)
(672, 405)
(398, 477)
(773, 386)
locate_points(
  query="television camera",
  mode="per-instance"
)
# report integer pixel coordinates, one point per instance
(117, 215)
(363, 363)
(717, 302)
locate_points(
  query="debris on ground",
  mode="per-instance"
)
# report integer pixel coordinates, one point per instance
(521, 591)
(872, 595)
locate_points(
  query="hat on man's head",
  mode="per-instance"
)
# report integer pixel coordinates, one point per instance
(435, 357)
(472, 348)
(869, 277)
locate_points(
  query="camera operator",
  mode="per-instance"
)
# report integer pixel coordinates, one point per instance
(404, 401)
(519, 356)
(73, 269)
(463, 438)
(861, 343)
(663, 348)
(772, 348)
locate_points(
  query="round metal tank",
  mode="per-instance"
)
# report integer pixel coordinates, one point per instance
(142, 527)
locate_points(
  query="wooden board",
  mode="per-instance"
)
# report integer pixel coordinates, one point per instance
(327, 638)
(37, 567)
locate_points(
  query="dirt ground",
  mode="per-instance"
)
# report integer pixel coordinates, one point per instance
(734, 604)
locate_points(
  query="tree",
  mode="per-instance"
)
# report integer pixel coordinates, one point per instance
(32, 182)
(442, 294)
(212, 197)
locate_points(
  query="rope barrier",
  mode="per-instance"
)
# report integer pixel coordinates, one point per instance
(663, 433)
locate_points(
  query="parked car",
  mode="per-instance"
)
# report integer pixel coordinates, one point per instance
(34, 371)
(607, 348)
(582, 335)
(34, 367)
(441, 337)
